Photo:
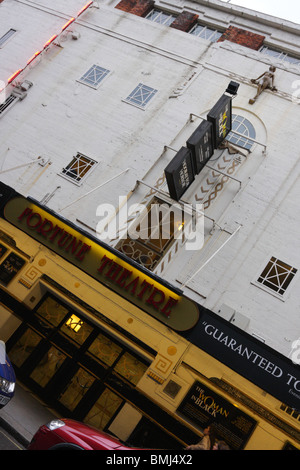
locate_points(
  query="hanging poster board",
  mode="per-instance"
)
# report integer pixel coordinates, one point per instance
(180, 173)
(201, 145)
(221, 118)
(203, 407)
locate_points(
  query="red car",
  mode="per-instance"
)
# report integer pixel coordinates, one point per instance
(67, 434)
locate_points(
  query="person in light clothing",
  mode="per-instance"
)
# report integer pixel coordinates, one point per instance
(207, 442)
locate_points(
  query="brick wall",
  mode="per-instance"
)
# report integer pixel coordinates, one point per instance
(185, 21)
(136, 7)
(242, 37)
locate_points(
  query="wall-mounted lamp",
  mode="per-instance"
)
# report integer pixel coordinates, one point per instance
(232, 88)
(74, 323)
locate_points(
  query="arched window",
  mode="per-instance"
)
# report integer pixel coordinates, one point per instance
(245, 129)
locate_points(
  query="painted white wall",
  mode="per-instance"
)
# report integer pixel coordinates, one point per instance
(61, 117)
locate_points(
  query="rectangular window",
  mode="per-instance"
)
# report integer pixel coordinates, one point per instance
(105, 350)
(78, 168)
(7, 36)
(161, 17)
(52, 311)
(130, 367)
(277, 276)
(204, 32)
(94, 76)
(141, 95)
(280, 55)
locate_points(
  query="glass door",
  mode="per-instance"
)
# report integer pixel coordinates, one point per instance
(76, 389)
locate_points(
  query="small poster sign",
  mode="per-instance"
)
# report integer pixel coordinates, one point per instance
(180, 173)
(221, 118)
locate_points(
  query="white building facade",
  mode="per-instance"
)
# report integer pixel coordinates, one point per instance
(177, 296)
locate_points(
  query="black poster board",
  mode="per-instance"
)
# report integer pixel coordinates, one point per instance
(10, 267)
(203, 407)
(221, 118)
(201, 145)
(179, 173)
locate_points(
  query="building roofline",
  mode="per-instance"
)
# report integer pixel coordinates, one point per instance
(254, 15)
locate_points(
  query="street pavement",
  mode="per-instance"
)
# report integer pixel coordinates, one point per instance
(8, 442)
(24, 414)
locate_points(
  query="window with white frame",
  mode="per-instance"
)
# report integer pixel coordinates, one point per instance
(277, 54)
(78, 168)
(7, 36)
(244, 132)
(276, 277)
(94, 76)
(161, 17)
(141, 95)
(205, 32)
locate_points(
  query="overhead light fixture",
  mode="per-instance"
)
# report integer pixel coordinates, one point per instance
(49, 41)
(14, 75)
(74, 323)
(33, 57)
(68, 24)
(84, 8)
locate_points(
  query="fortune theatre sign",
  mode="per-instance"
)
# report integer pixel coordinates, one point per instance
(103, 263)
